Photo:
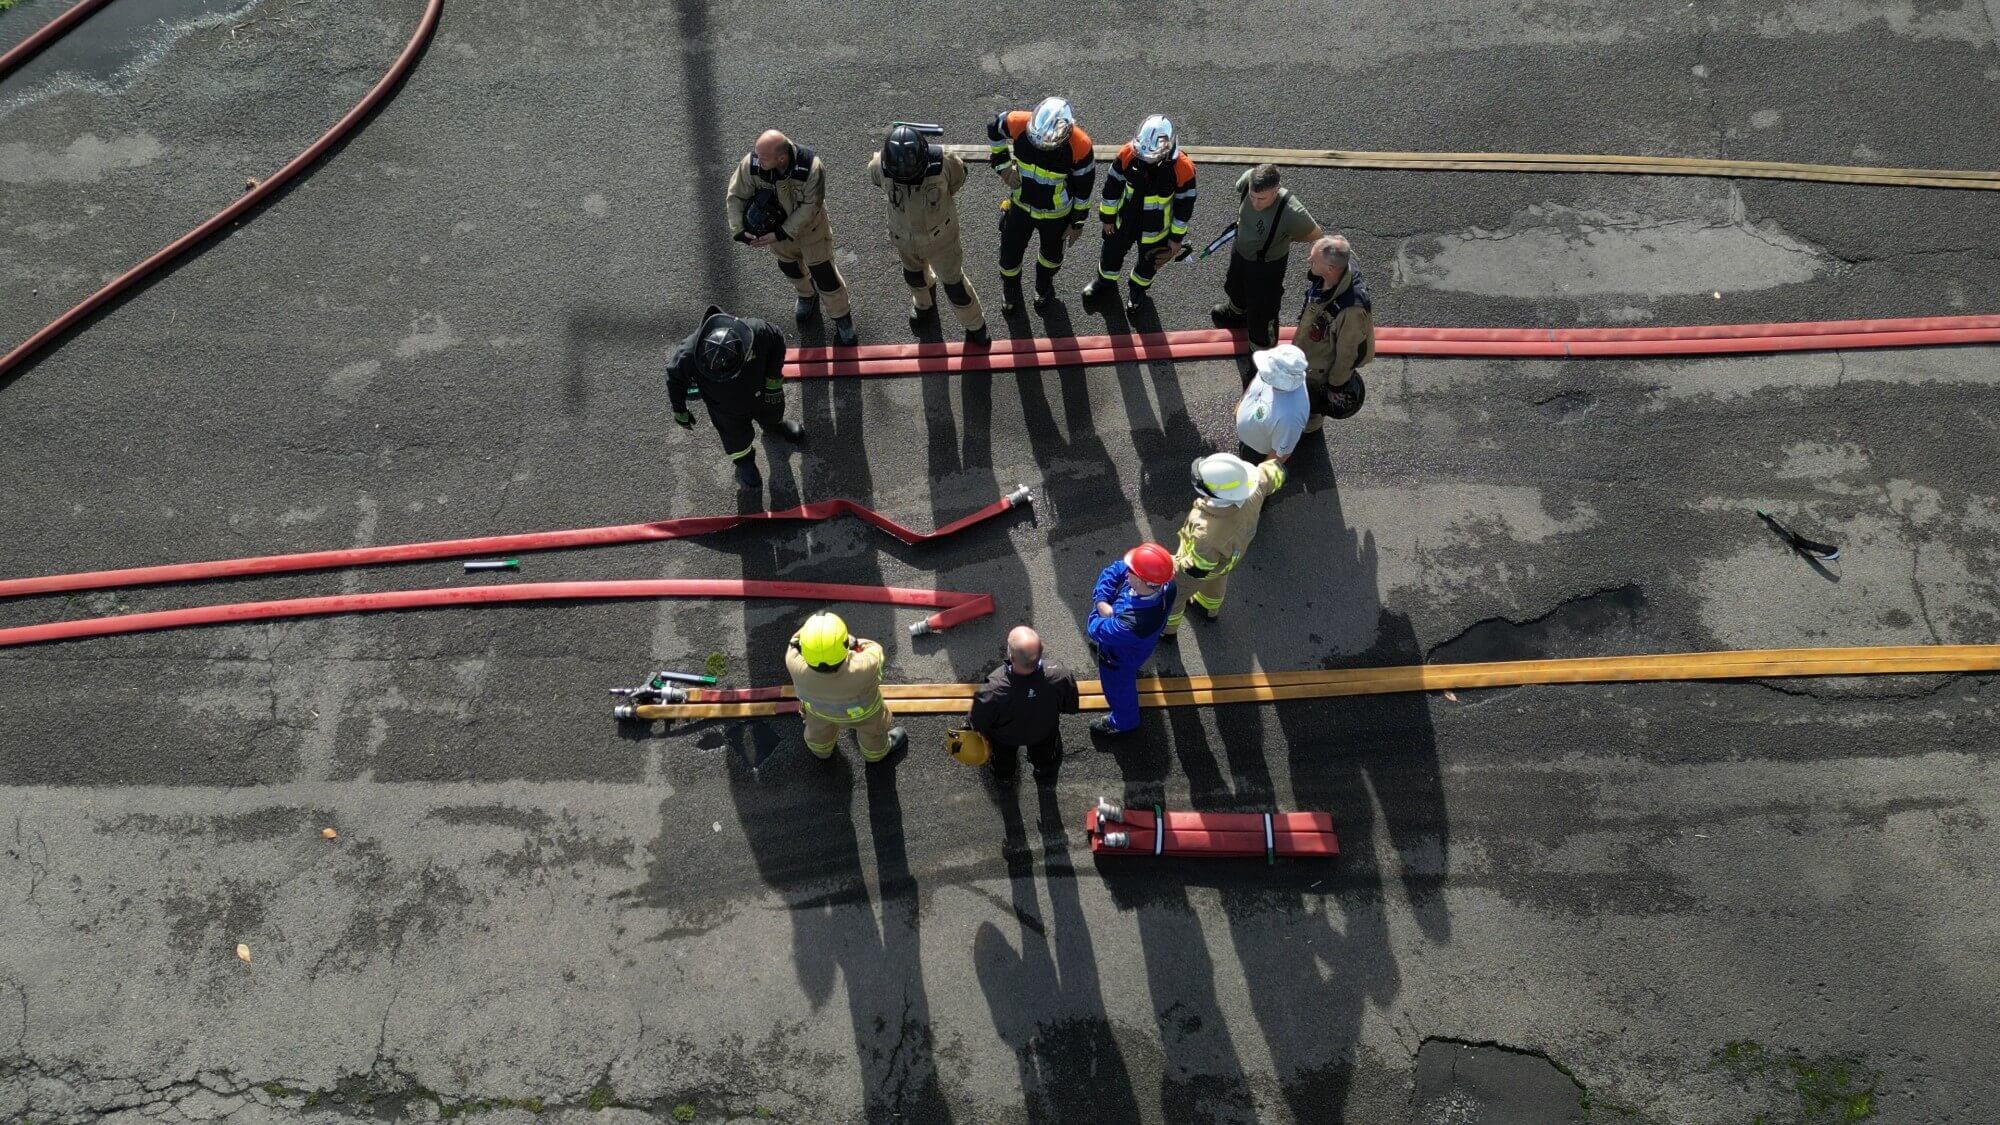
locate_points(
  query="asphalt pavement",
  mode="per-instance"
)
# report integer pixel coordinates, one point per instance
(1644, 903)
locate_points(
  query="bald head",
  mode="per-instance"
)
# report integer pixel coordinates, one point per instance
(1330, 256)
(774, 150)
(1024, 649)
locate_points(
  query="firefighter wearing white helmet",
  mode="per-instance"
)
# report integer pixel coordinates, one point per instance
(1229, 496)
(838, 679)
(1049, 163)
(1149, 194)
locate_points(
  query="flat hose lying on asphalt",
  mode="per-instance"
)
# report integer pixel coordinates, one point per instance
(1562, 162)
(1268, 687)
(270, 186)
(1390, 340)
(492, 545)
(1553, 343)
(956, 608)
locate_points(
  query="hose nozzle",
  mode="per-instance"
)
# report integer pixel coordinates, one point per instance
(1117, 840)
(922, 628)
(1106, 811)
(1020, 495)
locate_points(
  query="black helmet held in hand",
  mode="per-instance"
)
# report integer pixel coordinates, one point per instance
(725, 345)
(762, 215)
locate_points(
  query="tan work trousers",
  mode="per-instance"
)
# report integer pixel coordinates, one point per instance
(1208, 592)
(942, 262)
(822, 733)
(808, 261)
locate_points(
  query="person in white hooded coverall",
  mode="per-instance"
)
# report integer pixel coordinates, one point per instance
(1274, 408)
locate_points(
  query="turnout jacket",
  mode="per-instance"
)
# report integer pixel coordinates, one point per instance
(1127, 637)
(1015, 710)
(1055, 183)
(801, 191)
(925, 213)
(1157, 200)
(1336, 327)
(763, 371)
(1215, 535)
(849, 693)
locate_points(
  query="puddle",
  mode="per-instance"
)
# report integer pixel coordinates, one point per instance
(116, 36)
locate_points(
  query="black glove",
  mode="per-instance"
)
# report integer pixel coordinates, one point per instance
(685, 419)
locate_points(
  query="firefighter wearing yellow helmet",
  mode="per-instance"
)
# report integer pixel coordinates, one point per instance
(838, 679)
(1229, 496)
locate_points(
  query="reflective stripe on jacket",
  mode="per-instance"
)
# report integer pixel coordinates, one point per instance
(1214, 536)
(1164, 193)
(847, 694)
(1055, 183)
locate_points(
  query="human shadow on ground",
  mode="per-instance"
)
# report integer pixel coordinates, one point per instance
(1311, 937)
(1042, 987)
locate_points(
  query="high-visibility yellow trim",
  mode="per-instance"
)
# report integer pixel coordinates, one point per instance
(1969, 180)
(1268, 687)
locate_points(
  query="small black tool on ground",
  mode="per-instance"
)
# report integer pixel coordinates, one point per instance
(1824, 552)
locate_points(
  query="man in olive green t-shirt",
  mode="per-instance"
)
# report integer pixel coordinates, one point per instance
(1271, 219)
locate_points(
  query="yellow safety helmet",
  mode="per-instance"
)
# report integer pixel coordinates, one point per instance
(823, 640)
(968, 746)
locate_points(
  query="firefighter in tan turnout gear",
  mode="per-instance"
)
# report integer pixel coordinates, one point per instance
(838, 678)
(1229, 496)
(922, 181)
(777, 201)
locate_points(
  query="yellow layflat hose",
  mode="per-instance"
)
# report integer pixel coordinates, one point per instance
(1571, 162)
(1267, 687)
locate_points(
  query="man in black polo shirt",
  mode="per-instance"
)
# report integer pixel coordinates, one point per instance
(1018, 706)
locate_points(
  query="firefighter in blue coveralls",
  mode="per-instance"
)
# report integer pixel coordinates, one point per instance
(1131, 603)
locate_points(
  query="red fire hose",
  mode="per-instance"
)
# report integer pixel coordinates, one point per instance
(956, 608)
(1565, 343)
(270, 186)
(46, 34)
(492, 545)
(1115, 831)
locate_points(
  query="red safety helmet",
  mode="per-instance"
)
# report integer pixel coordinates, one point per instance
(1151, 562)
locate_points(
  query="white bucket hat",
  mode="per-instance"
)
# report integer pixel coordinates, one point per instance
(1283, 367)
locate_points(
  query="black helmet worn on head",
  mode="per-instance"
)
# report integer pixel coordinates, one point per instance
(725, 345)
(906, 155)
(762, 215)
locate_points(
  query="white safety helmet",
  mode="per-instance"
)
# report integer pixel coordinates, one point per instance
(1155, 140)
(1224, 478)
(1051, 122)
(1282, 367)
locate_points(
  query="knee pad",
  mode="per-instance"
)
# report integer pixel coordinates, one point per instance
(914, 279)
(791, 269)
(826, 279)
(957, 293)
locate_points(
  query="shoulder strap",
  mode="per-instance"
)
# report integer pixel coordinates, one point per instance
(802, 162)
(1277, 221)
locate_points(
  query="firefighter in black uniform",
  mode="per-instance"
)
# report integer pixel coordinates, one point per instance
(1149, 195)
(1051, 166)
(736, 364)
